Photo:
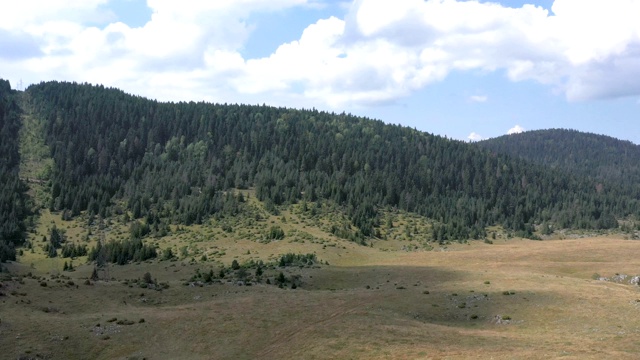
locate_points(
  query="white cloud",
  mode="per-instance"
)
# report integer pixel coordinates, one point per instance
(473, 137)
(515, 130)
(479, 98)
(379, 52)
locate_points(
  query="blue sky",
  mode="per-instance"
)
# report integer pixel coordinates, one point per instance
(465, 69)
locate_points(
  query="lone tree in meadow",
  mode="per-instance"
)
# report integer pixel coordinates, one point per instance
(147, 278)
(281, 279)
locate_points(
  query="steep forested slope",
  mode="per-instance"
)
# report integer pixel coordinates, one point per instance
(175, 161)
(13, 206)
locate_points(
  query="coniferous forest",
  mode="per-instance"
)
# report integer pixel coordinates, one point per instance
(600, 158)
(13, 204)
(175, 162)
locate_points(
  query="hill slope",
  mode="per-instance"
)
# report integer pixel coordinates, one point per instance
(609, 164)
(596, 156)
(13, 204)
(173, 163)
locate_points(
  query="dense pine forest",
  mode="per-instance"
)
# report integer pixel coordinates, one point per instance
(164, 163)
(13, 203)
(611, 165)
(597, 157)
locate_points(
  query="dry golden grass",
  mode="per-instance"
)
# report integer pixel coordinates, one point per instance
(557, 309)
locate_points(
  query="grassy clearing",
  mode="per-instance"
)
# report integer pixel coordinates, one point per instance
(36, 163)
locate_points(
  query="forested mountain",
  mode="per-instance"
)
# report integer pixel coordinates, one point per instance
(13, 205)
(173, 162)
(586, 154)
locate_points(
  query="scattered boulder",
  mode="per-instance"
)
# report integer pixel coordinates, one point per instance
(622, 279)
(501, 320)
(619, 278)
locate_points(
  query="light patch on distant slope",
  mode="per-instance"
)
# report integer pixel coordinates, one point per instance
(515, 130)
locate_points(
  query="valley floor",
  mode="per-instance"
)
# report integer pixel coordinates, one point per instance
(513, 299)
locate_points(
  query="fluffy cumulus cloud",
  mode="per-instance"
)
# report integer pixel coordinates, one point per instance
(380, 51)
(515, 130)
(187, 50)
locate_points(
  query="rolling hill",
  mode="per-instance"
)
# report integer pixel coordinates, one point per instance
(595, 156)
(173, 163)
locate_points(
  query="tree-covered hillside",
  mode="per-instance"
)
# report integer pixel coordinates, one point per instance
(13, 205)
(174, 161)
(596, 156)
(605, 161)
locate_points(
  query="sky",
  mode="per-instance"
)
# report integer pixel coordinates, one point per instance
(468, 70)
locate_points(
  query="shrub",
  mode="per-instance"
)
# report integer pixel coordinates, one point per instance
(275, 233)
(167, 254)
(235, 265)
(242, 273)
(208, 276)
(147, 278)
(291, 259)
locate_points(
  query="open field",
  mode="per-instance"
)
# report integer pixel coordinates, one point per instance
(368, 303)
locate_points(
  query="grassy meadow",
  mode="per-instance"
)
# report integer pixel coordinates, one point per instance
(400, 297)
